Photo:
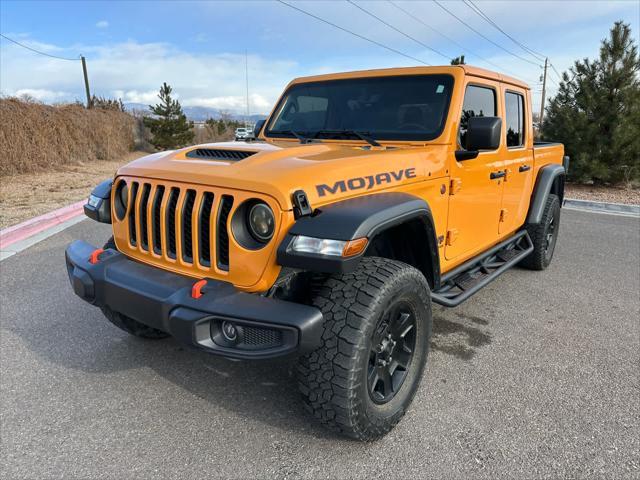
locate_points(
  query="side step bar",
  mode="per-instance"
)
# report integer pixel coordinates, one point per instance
(467, 279)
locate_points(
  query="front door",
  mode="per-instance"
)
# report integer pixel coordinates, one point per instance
(475, 197)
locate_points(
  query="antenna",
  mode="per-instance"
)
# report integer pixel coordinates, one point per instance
(246, 68)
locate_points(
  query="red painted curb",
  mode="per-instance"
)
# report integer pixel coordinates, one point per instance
(33, 226)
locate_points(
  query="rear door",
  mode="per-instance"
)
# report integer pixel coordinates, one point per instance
(518, 160)
(475, 198)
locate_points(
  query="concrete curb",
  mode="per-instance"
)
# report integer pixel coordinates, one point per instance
(23, 235)
(603, 207)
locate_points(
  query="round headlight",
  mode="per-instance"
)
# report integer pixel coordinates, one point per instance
(261, 222)
(121, 199)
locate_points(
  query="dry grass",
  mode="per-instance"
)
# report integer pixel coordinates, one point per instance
(36, 137)
(27, 195)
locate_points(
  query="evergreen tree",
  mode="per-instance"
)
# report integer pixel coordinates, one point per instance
(596, 112)
(458, 60)
(168, 125)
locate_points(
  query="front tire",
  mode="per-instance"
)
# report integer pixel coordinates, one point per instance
(544, 236)
(377, 325)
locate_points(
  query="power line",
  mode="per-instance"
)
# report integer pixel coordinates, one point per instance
(484, 16)
(391, 49)
(483, 36)
(447, 37)
(556, 72)
(398, 30)
(38, 51)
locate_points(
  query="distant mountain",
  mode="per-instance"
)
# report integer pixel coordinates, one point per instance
(197, 114)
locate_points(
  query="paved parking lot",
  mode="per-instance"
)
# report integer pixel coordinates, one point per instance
(536, 376)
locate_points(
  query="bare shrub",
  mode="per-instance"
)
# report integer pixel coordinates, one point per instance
(37, 137)
(221, 130)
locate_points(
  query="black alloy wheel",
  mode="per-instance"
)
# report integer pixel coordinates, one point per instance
(392, 346)
(550, 238)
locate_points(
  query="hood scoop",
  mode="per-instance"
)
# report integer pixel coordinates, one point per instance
(219, 154)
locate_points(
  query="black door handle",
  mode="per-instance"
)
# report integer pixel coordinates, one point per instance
(524, 168)
(498, 174)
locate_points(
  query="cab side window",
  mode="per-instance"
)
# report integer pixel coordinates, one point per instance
(478, 102)
(514, 115)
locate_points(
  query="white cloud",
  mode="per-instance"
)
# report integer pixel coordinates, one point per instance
(201, 38)
(236, 103)
(134, 96)
(102, 24)
(134, 72)
(40, 94)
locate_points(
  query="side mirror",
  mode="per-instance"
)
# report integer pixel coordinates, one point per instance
(257, 127)
(483, 133)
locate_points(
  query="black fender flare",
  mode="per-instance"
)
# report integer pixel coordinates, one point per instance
(545, 181)
(98, 207)
(365, 216)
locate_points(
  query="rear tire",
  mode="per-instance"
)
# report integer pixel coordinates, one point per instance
(544, 236)
(128, 324)
(377, 325)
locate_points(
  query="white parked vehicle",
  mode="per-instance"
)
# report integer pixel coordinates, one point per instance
(242, 133)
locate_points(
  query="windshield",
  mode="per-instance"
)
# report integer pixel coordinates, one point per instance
(384, 108)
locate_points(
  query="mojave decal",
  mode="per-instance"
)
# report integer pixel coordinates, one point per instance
(367, 182)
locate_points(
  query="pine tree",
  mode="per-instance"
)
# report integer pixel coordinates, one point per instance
(168, 125)
(596, 112)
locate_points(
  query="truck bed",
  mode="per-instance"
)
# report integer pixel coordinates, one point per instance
(545, 153)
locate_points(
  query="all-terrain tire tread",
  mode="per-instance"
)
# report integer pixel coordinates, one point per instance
(329, 377)
(536, 260)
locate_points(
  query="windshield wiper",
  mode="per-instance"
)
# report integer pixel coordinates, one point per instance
(299, 136)
(361, 135)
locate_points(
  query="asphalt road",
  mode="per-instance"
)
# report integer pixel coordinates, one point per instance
(536, 376)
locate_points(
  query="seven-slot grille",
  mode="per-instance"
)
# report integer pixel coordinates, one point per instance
(179, 223)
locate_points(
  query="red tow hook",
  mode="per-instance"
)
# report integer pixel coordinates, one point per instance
(196, 290)
(93, 259)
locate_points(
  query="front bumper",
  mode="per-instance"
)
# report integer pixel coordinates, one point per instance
(266, 327)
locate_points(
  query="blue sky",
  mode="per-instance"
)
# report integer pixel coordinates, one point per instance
(199, 47)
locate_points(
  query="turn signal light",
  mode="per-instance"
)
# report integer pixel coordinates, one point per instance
(355, 247)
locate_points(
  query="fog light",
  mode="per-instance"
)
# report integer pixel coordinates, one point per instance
(229, 331)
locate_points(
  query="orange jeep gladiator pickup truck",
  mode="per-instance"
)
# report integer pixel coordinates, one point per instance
(365, 197)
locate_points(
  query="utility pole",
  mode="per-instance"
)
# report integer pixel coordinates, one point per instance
(544, 87)
(86, 81)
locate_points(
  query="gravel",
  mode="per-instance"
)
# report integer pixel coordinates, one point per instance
(627, 196)
(28, 195)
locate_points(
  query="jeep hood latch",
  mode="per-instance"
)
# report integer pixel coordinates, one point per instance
(301, 206)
